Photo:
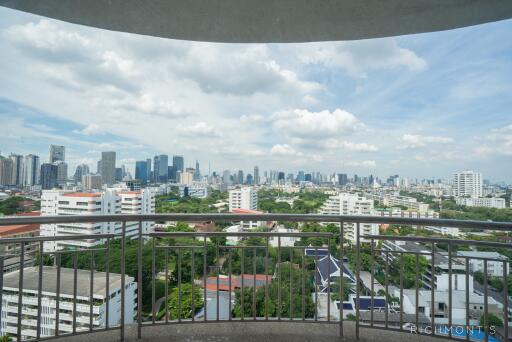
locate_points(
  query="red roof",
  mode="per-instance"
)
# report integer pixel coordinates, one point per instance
(83, 194)
(6, 231)
(129, 192)
(236, 282)
(246, 211)
(30, 213)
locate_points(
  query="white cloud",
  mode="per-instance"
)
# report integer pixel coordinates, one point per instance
(497, 142)
(362, 163)
(350, 146)
(411, 141)
(356, 58)
(305, 124)
(284, 150)
(199, 129)
(252, 119)
(91, 129)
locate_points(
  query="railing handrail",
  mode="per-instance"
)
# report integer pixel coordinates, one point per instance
(464, 224)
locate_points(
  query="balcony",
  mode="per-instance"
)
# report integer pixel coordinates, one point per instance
(296, 300)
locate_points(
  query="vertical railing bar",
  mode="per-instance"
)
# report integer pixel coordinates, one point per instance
(486, 304)
(153, 277)
(342, 278)
(278, 278)
(505, 299)
(329, 280)
(179, 288)
(91, 291)
(266, 278)
(291, 286)
(372, 279)
(107, 284)
(450, 289)
(401, 290)
(218, 277)
(57, 295)
(205, 276)
(75, 284)
(139, 282)
(358, 277)
(432, 285)
(230, 272)
(166, 288)
(303, 283)
(39, 289)
(1, 286)
(192, 277)
(467, 298)
(123, 280)
(242, 271)
(254, 284)
(417, 283)
(20, 288)
(316, 284)
(386, 285)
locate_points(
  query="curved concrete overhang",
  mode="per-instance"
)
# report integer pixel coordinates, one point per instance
(247, 331)
(267, 21)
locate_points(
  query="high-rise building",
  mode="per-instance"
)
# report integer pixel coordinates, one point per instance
(249, 179)
(178, 163)
(137, 202)
(243, 198)
(240, 178)
(186, 177)
(467, 184)
(160, 167)
(17, 169)
(351, 204)
(197, 173)
(226, 177)
(92, 182)
(6, 169)
(300, 176)
(49, 175)
(57, 153)
(256, 175)
(31, 170)
(81, 170)
(148, 162)
(141, 170)
(108, 167)
(62, 172)
(342, 179)
(119, 174)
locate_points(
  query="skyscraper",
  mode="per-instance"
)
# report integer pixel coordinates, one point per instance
(148, 163)
(141, 170)
(81, 170)
(57, 153)
(17, 169)
(240, 177)
(467, 183)
(108, 167)
(62, 172)
(160, 167)
(31, 170)
(197, 173)
(342, 179)
(49, 173)
(6, 169)
(256, 175)
(179, 165)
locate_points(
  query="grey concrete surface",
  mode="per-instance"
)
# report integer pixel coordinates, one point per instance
(270, 20)
(250, 332)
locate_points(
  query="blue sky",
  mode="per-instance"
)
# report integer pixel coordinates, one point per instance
(421, 106)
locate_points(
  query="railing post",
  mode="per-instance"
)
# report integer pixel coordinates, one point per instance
(139, 282)
(39, 290)
(358, 277)
(20, 288)
(342, 278)
(450, 290)
(123, 271)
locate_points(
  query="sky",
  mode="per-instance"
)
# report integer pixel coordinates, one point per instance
(421, 106)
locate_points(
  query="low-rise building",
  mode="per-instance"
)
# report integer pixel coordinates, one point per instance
(66, 294)
(488, 202)
(495, 262)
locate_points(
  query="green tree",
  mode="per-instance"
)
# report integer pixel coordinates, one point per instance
(492, 320)
(186, 302)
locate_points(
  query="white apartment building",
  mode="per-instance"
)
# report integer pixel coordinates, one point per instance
(196, 191)
(107, 202)
(10, 293)
(494, 267)
(467, 184)
(351, 204)
(243, 198)
(137, 202)
(391, 200)
(186, 178)
(286, 241)
(488, 202)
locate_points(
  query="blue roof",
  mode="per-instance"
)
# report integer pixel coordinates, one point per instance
(366, 303)
(319, 252)
(346, 306)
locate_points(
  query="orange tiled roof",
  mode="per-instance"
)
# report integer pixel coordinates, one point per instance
(246, 211)
(6, 231)
(30, 213)
(83, 194)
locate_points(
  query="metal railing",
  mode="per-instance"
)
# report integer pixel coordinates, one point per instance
(286, 270)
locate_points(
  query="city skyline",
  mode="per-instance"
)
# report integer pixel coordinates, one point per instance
(422, 106)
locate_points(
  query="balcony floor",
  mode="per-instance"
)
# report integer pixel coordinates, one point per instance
(249, 332)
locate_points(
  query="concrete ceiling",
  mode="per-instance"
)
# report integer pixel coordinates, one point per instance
(265, 21)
